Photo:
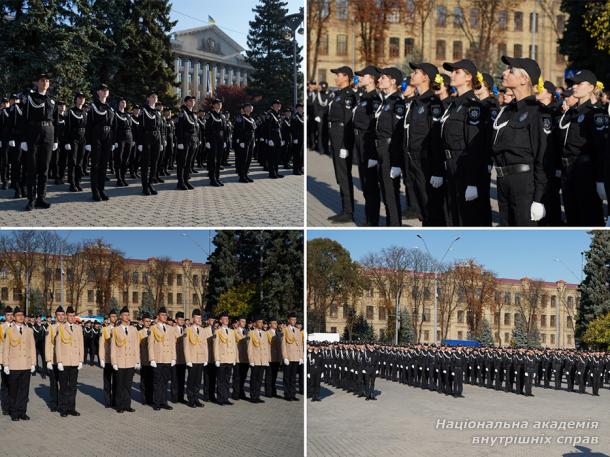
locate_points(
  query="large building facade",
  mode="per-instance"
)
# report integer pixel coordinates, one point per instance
(183, 289)
(555, 314)
(205, 58)
(530, 29)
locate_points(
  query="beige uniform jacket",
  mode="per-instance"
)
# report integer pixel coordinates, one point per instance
(225, 346)
(195, 345)
(292, 344)
(162, 344)
(125, 347)
(259, 349)
(69, 345)
(19, 348)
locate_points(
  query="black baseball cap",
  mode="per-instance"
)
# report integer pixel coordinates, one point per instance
(188, 97)
(151, 93)
(345, 70)
(79, 94)
(102, 87)
(42, 76)
(550, 87)
(463, 64)
(582, 75)
(216, 101)
(530, 66)
(427, 68)
(488, 79)
(370, 70)
(276, 102)
(393, 73)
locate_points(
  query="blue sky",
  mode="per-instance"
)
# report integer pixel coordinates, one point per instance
(232, 16)
(509, 253)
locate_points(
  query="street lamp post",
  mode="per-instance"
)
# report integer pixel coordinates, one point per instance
(293, 26)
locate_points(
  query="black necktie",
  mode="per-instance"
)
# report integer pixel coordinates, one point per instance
(293, 330)
(20, 330)
(148, 332)
(164, 328)
(197, 331)
(126, 332)
(227, 330)
(71, 329)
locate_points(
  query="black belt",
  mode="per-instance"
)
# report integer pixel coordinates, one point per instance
(382, 141)
(512, 169)
(41, 123)
(452, 154)
(336, 122)
(569, 161)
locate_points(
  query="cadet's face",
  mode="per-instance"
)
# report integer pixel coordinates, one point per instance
(112, 318)
(180, 321)
(197, 320)
(242, 323)
(459, 77)
(125, 317)
(341, 80)
(152, 100)
(43, 84)
(162, 317)
(248, 110)
(62, 109)
(19, 318)
(277, 106)
(259, 324)
(103, 93)
(582, 89)
(418, 77)
(190, 103)
(211, 322)
(122, 104)
(71, 318)
(384, 82)
(292, 321)
(224, 321)
(273, 325)
(147, 322)
(60, 317)
(80, 101)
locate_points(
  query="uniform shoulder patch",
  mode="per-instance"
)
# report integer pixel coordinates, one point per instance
(599, 121)
(399, 109)
(474, 115)
(547, 124)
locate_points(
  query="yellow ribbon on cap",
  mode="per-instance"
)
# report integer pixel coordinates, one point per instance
(479, 77)
(438, 79)
(599, 85)
(540, 85)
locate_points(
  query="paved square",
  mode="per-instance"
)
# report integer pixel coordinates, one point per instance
(274, 428)
(263, 203)
(403, 422)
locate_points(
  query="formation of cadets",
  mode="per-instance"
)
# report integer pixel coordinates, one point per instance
(442, 134)
(42, 138)
(353, 366)
(178, 360)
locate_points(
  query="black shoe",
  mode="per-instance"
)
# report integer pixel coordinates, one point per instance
(272, 176)
(220, 182)
(156, 408)
(146, 191)
(15, 418)
(152, 190)
(120, 411)
(159, 180)
(188, 185)
(95, 195)
(198, 404)
(214, 183)
(191, 405)
(25, 417)
(119, 183)
(242, 179)
(53, 410)
(74, 413)
(279, 176)
(30, 205)
(103, 195)
(295, 399)
(181, 186)
(73, 188)
(80, 189)
(341, 218)
(259, 400)
(125, 183)
(228, 403)
(249, 179)
(169, 408)
(42, 203)
(130, 410)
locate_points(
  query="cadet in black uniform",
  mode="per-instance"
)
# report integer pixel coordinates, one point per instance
(76, 123)
(187, 137)
(312, 128)
(57, 166)
(99, 135)
(134, 156)
(520, 142)
(149, 145)
(243, 142)
(123, 141)
(17, 129)
(286, 138)
(215, 138)
(341, 103)
(581, 133)
(320, 113)
(297, 132)
(40, 139)
(462, 144)
(273, 136)
(170, 143)
(388, 142)
(5, 129)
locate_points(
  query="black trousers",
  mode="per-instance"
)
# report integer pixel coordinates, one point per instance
(223, 377)
(101, 150)
(301, 380)
(290, 380)
(582, 204)
(90, 351)
(124, 379)
(390, 188)
(178, 379)
(4, 161)
(17, 168)
(18, 392)
(36, 160)
(271, 379)
(193, 381)
(68, 379)
(121, 156)
(209, 382)
(369, 383)
(4, 397)
(297, 155)
(343, 168)
(527, 382)
(243, 157)
(364, 148)
(515, 197)
(161, 377)
(54, 388)
(215, 157)
(146, 384)
(75, 160)
(149, 157)
(240, 373)
(256, 381)
(458, 382)
(459, 212)
(315, 378)
(184, 157)
(109, 385)
(273, 154)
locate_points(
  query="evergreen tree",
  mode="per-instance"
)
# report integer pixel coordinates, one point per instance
(484, 335)
(271, 54)
(37, 303)
(147, 305)
(519, 336)
(223, 267)
(405, 330)
(595, 293)
(533, 339)
(361, 330)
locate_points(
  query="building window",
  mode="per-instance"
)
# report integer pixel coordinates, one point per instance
(457, 50)
(178, 298)
(570, 303)
(458, 17)
(4, 295)
(394, 16)
(533, 23)
(426, 335)
(506, 337)
(89, 296)
(427, 294)
(90, 276)
(507, 298)
(559, 57)
(543, 338)
(394, 47)
(380, 47)
(334, 312)
(517, 298)
(425, 317)
(569, 322)
(552, 338)
(409, 46)
(543, 320)
(460, 317)
(134, 277)
(341, 45)
(553, 301)
(460, 335)
(125, 298)
(545, 300)
(170, 298)
(382, 313)
(134, 297)
(553, 321)
(195, 299)
(410, 11)
(322, 75)
(370, 313)
(345, 309)
(561, 22)
(145, 278)
(440, 49)
(506, 318)
(178, 280)
(333, 330)
(503, 20)
(170, 279)
(533, 51)
(569, 339)
(518, 21)
(323, 49)
(496, 318)
(196, 280)
(341, 9)
(474, 18)
(517, 50)
(441, 16)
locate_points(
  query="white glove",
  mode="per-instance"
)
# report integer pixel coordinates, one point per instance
(286, 362)
(343, 153)
(205, 364)
(436, 181)
(207, 146)
(80, 365)
(88, 147)
(33, 369)
(372, 163)
(172, 363)
(295, 141)
(471, 193)
(308, 376)
(161, 148)
(601, 190)
(7, 371)
(283, 142)
(537, 211)
(140, 147)
(24, 146)
(11, 143)
(181, 147)
(395, 172)
(102, 363)
(363, 371)
(300, 361)
(558, 173)
(49, 366)
(242, 145)
(224, 145)
(116, 145)
(489, 167)
(317, 119)
(55, 145)
(153, 364)
(233, 363)
(270, 143)
(252, 365)
(138, 366)
(189, 364)
(60, 366)
(217, 364)
(67, 147)
(115, 367)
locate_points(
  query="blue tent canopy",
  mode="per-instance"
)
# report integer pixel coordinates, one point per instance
(461, 343)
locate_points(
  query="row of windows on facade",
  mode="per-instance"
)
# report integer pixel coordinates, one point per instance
(136, 297)
(442, 16)
(202, 71)
(135, 277)
(461, 315)
(342, 49)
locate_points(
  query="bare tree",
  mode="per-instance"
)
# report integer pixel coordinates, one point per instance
(50, 250)
(529, 301)
(549, 9)
(199, 285)
(76, 273)
(448, 285)
(318, 14)
(478, 287)
(19, 252)
(420, 280)
(155, 279)
(421, 12)
(106, 265)
(371, 18)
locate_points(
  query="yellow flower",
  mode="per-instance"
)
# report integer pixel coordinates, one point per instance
(438, 79)
(479, 77)
(599, 85)
(540, 84)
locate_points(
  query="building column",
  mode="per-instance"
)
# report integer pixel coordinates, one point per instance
(231, 76)
(245, 79)
(223, 72)
(238, 80)
(195, 76)
(186, 90)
